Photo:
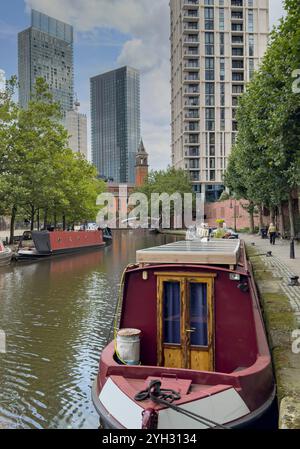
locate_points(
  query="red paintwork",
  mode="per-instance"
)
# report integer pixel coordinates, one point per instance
(242, 357)
(68, 240)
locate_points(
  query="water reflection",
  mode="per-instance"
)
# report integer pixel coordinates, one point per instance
(57, 315)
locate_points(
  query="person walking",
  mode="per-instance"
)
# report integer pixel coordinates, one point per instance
(272, 234)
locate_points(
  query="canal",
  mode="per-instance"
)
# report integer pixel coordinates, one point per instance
(57, 315)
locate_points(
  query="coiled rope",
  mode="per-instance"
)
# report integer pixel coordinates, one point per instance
(167, 397)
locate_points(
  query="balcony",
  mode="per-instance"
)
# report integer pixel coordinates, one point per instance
(191, 15)
(237, 40)
(192, 116)
(191, 144)
(191, 27)
(192, 153)
(190, 4)
(191, 80)
(191, 41)
(194, 131)
(190, 66)
(237, 3)
(188, 92)
(191, 54)
(237, 27)
(191, 104)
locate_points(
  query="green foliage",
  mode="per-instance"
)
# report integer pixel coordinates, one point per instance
(264, 166)
(37, 170)
(166, 181)
(170, 182)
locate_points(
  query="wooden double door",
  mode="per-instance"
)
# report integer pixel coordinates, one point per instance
(185, 321)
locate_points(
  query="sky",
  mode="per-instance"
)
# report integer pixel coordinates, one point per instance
(110, 34)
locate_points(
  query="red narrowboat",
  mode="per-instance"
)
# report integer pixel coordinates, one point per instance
(46, 244)
(196, 354)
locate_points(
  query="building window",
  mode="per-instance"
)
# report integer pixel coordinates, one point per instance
(237, 39)
(237, 88)
(237, 76)
(222, 119)
(209, 119)
(237, 27)
(251, 45)
(222, 94)
(237, 51)
(250, 21)
(209, 44)
(222, 69)
(221, 19)
(209, 18)
(222, 44)
(209, 94)
(209, 69)
(251, 68)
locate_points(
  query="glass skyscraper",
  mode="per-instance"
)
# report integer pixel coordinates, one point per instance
(46, 50)
(115, 115)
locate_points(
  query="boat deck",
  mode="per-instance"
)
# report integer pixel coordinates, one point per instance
(214, 252)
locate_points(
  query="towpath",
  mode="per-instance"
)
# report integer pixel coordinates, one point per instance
(280, 265)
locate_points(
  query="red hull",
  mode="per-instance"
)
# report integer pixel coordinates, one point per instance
(241, 382)
(61, 241)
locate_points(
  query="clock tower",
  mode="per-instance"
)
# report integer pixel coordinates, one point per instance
(141, 165)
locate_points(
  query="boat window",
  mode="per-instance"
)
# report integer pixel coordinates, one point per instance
(198, 314)
(171, 312)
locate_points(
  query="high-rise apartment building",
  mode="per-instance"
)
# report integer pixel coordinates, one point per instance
(215, 47)
(76, 125)
(115, 116)
(46, 50)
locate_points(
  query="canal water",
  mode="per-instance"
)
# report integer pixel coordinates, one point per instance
(57, 315)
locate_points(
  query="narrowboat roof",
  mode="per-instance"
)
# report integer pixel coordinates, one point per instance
(214, 252)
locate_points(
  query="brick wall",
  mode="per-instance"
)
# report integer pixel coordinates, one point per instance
(228, 210)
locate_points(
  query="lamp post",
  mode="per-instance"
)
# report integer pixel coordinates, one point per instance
(235, 217)
(234, 213)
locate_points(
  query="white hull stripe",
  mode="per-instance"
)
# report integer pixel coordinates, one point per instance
(222, 408)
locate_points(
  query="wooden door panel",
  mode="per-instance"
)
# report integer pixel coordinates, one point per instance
(200, 360)
(173, 358)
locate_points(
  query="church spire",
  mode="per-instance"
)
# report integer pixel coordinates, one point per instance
(141, 148)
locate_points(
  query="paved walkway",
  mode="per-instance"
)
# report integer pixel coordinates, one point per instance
(281, 266)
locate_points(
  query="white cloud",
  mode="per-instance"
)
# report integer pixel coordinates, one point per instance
(147, 48)
(276, 11)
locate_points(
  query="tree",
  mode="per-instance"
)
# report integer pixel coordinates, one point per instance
(12, 190)
(38, 171)
(264, 165)
(170, 182)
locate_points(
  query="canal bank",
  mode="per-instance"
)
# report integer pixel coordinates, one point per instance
(281, 309)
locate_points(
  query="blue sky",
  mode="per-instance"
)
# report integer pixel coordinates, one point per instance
(111, 33)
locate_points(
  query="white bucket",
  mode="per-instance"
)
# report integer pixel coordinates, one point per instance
(128, 346)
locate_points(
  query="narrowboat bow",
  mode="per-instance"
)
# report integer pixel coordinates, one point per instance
(5, 255)
(191, 352)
